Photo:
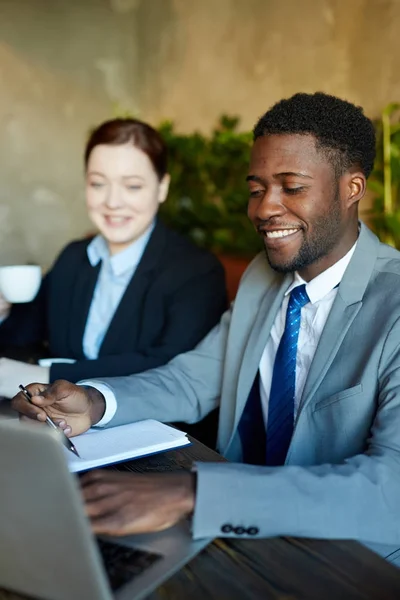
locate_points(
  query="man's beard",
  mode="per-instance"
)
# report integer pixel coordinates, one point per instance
(326, 234)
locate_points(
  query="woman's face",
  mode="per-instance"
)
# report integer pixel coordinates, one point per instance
(123, 193)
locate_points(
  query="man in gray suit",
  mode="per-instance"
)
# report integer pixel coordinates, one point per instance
(305, 365)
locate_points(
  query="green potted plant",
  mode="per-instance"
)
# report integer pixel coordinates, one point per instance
(384, 181)
(208, 194)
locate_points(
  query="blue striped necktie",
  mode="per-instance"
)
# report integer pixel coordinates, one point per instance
(281, 400)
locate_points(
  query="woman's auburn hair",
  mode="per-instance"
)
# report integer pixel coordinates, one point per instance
(123, 131)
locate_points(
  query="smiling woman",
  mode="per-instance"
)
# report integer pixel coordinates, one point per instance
(125, 182)
(129, 299)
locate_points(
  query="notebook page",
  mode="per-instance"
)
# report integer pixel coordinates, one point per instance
(99, 447)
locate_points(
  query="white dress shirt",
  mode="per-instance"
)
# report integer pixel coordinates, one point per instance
(115, 274)
(322, 291)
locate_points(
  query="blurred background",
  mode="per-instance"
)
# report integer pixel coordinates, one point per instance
(182, 65)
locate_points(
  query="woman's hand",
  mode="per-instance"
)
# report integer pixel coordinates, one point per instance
(14, 372)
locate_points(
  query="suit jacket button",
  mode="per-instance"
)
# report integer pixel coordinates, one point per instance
(227, 528)
(239, 530)
(253, 530)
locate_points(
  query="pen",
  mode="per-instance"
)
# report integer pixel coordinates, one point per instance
(65, 440)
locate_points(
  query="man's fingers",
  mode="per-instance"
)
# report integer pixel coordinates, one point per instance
(91, 476)
(104, 475)
(117, 522)
(99, 484)
(62, 424)
(37, 389)
(31, 421)
(42, 396)
(37, 392)
(111, 516)
(104, 500)
(98, 490)
(25, 408)
(108, 524)
(101, 502)
(44, 399)
(59, 390)
(123, 503)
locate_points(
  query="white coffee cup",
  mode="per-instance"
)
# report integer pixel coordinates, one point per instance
(20, 283)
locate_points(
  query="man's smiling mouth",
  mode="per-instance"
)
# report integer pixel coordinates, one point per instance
(280, 233)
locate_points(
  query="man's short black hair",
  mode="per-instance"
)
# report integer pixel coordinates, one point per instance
(340, 128)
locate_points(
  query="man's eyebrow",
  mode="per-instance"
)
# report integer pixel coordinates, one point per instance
(292, 174)
(278, 175)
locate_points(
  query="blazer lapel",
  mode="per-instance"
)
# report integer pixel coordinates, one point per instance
(347, 303)
(337, 325)
(127, 315)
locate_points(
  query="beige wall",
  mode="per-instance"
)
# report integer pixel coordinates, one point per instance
(65, 63)
(240, 56)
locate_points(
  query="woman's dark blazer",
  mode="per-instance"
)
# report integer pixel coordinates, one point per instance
(176, 295)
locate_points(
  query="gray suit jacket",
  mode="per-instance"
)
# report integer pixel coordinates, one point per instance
(342, 473)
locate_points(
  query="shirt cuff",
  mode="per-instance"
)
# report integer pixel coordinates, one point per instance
(109, 397)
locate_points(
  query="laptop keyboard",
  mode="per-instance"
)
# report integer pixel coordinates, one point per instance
(122, 564)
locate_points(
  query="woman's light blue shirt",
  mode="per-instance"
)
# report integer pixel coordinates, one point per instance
(115, 273)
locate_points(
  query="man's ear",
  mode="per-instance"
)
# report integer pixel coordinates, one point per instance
(356, 186)
(163, 188)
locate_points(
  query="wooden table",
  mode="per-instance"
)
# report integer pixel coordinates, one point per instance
(271, 569)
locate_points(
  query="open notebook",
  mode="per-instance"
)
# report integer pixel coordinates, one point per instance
(98, 447)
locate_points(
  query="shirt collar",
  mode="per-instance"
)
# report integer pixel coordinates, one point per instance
(321, 285)
(125, 260)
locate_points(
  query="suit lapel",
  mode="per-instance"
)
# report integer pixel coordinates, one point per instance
(127, 314)
(347, 304)
(333, 334)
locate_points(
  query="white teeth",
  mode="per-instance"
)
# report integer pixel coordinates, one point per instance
(116, 219)
(280, 233)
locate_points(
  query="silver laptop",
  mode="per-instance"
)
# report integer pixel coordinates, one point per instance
(46, 547)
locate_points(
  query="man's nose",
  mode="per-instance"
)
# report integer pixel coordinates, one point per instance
(270, 205)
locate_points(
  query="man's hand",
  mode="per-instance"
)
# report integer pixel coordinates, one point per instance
(128, 503)
(72, 407)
